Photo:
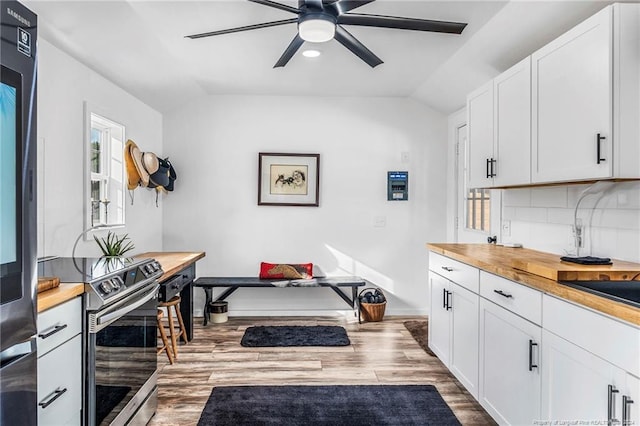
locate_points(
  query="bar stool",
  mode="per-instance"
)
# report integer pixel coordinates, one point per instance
(163, 336)
(175, 304)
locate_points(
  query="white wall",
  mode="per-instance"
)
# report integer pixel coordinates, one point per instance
(214, 145)
(63, 85)
(542, 219)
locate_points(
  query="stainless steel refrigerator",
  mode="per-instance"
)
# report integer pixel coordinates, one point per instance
(18, 278)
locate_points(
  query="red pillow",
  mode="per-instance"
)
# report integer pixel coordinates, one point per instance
(287, 271)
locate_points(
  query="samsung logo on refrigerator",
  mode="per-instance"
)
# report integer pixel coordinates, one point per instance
(17, 16)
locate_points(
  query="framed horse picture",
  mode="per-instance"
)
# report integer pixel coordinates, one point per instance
(288, 179)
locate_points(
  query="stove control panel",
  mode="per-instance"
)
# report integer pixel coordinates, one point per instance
(111, 287)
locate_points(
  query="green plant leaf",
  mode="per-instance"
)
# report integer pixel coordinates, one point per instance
(114, 245)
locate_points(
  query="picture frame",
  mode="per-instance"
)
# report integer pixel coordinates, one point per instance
(286, 179)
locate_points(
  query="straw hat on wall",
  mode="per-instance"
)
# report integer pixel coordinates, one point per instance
(133, 177)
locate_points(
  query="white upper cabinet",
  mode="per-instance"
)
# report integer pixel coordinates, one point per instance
(572, 103)
(567, 113)
(586, 100)
(499, 117)
(512, 125)
(480, 137)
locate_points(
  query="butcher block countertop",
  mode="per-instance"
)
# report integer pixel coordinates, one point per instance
(536, 269)
(172, 261)
(57, 296)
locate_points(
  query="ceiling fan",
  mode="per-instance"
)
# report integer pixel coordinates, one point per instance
(322, 20)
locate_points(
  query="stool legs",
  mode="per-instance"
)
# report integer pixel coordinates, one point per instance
(175, 304)
(174, 341)
(163, 336)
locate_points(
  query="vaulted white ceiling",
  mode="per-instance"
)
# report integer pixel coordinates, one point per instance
(140, 46)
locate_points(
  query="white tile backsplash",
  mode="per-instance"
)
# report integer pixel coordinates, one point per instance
(542, 219)
(531, 214)
(549, 197)
(520, 197)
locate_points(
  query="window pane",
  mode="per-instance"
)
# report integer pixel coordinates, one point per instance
(478, 209)
(95, 202)
(96, 148)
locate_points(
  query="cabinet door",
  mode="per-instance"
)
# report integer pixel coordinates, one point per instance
(439, 318)
(464, 337)
(480, 136)
(509, 365)
(576, 383)
(512, 125)
(60, 384)
(631, 397)
(572, 103)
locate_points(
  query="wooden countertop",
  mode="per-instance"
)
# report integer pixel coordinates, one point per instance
(500, 260)
(56, 296)
(172, 261)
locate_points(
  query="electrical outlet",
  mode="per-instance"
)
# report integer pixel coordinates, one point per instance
(380, 221)
(506, 228)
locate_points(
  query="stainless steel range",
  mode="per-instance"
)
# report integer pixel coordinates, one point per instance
(120, 335)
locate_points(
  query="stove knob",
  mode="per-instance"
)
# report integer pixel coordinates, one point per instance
(105, 287)
(115, 283)
(148, 268)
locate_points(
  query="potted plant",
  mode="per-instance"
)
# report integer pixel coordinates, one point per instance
(114, 245)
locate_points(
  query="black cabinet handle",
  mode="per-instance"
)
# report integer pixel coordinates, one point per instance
(503, 294)
(53, 331)
(611, 390)
(626, 411)
(600, 138)
(447, 268)
(55, 395)
(488, 173)
(449, 306)
(531, 364)
(444, 298)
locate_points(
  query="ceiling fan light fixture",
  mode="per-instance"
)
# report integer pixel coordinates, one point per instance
(317, 27)
(311, 53)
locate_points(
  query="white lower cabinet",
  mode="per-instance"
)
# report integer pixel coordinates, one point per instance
(453, 332)
(60, 364)
(509, 365)
(530, 357)
(588, 362)
(579, 386)
(60, 386)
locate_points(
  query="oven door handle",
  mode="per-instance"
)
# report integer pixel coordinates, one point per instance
(112, 316)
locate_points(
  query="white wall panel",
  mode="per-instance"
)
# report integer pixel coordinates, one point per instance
(214, 144)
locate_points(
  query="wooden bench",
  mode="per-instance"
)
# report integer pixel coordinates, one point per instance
(233, 283)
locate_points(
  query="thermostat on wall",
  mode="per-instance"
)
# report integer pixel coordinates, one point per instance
(397, 186)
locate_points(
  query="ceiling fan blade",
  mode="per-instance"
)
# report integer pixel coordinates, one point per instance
(345, 38)
(280, 6)
(246, 28)
(401, 23)
(290, 51)
(343, 6)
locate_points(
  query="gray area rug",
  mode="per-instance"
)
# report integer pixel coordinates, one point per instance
(327, 405)
(420, 332)
(295, 335)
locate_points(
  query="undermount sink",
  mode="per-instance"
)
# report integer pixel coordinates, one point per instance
(621, 291)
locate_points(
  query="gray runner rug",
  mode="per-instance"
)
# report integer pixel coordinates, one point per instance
(327, 405)
(295, 335)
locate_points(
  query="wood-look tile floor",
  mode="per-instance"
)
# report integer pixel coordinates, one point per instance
(380, 353)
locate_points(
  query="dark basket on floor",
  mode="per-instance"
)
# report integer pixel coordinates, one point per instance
(372, 312)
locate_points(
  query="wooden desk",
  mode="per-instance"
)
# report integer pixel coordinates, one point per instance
(233, 283)
(179, 272)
